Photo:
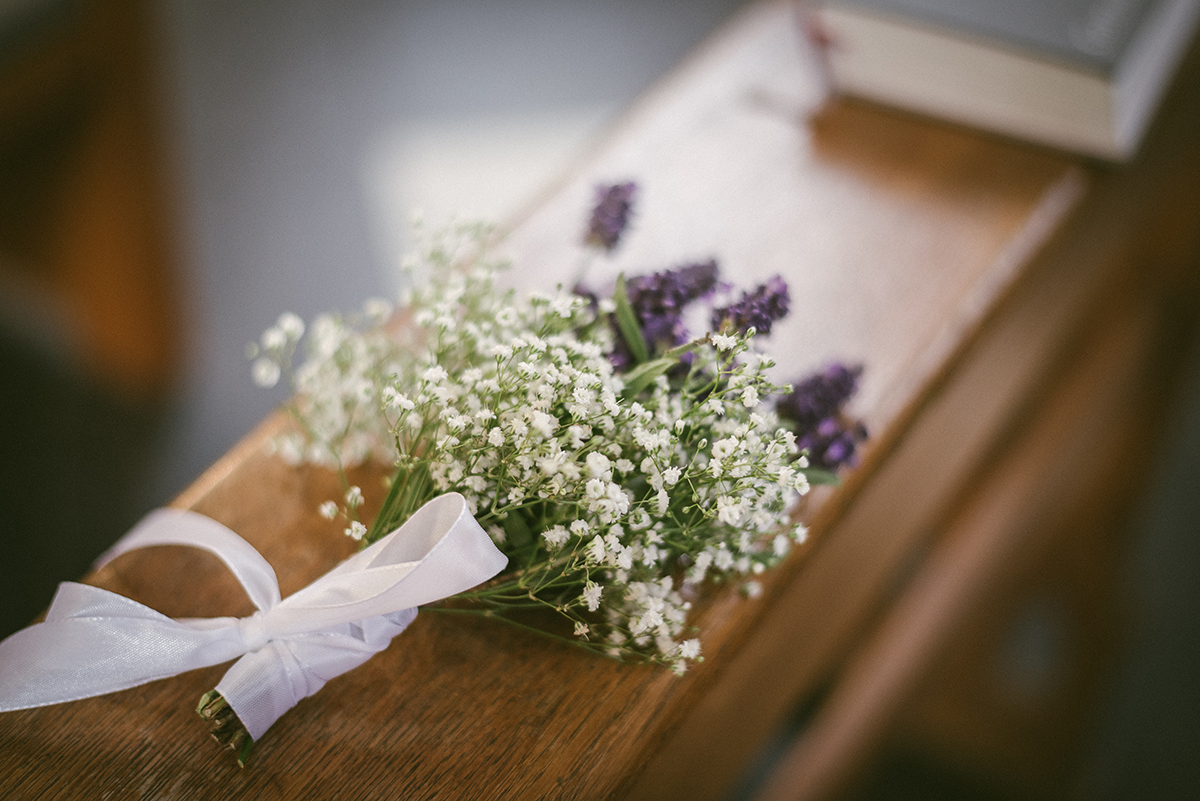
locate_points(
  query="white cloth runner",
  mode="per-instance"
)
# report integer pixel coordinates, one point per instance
(95, 642)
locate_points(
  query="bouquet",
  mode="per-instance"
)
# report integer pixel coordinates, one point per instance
(616, 450)
(619, 458)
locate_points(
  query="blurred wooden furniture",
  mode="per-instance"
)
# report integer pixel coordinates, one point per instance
(84, 248)
(1018, 312)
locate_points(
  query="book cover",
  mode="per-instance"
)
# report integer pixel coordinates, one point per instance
(1080, 75)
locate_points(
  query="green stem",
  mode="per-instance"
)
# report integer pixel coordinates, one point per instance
(225, 726)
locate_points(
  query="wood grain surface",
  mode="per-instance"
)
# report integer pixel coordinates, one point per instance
(939, 257)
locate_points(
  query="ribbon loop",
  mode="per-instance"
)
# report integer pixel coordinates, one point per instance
(288, 649)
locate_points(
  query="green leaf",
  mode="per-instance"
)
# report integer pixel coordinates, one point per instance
(644, 374)
(517, 530)
(815, 475)
(628, 324)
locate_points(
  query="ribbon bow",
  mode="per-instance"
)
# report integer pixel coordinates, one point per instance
(95, 642)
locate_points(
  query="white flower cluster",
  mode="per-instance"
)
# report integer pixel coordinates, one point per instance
(611, 496)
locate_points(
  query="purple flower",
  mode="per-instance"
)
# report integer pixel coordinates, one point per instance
(611, 214)
(658, 301)
(757, 309)
(819, 396)
(814, 408)
(831, 444)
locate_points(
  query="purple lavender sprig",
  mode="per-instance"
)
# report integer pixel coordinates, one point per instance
(610, 216)
(832, 443)
(820, 395)
(757, 309)
(814, 408)
(658, 301)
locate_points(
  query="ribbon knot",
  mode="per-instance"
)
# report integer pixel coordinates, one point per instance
(253, 631)
(95, 642)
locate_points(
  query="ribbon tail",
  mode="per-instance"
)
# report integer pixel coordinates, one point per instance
(95, 642)
(264, 684)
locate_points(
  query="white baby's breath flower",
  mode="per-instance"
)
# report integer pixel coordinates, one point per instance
(577, 435)
(273, 338)
(377, 310)
(700, 567)
(395, 399)
(599, 466)
(556, 536)
(291, 325)
(591, 596)
(596, 549)
(356, 530)
(723, 342)
(549, 465)
(724, 448)
(329, 510)
(729, 510)
(265, 371)
(564, 305)
(435, 374)
(542, 423)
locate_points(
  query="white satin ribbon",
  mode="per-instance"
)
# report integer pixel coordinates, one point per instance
(95, 642)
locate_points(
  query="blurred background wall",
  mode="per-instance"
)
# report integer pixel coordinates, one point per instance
(304, 134)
